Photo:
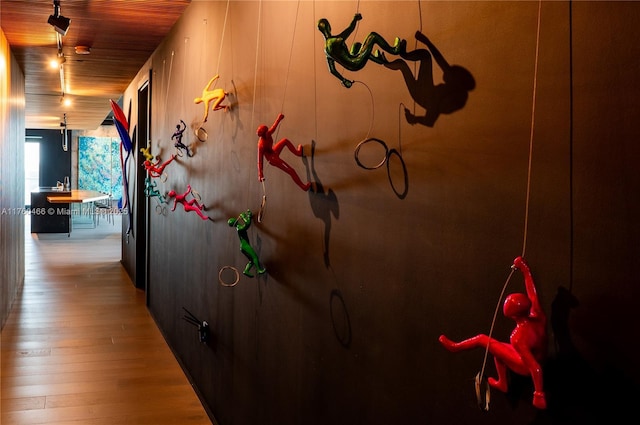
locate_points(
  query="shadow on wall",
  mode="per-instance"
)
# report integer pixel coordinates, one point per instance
(576, 392)
(324, 202)
(437, 99)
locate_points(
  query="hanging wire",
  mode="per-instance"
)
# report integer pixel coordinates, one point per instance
(526, 219)
(224, 26)
(533, 115)
(293, 37)
(286, 81)
(373, 109)
(184, 73)
(255, 70)
(166, 95)
(253, 107)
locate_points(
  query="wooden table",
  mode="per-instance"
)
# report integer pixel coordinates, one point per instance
(79, 196)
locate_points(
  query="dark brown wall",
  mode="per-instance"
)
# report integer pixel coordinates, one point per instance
(365, 274)
(11, 179)
(56, 162)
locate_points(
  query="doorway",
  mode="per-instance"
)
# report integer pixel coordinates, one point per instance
(141, 218)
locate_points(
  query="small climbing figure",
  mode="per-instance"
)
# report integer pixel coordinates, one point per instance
(355, 58)
(216, 96)
(151, 191)
(242, 224)
(177, 135)
(190, 205)
(267, 150)
(156, 170)
(527, 346)
(145, 152)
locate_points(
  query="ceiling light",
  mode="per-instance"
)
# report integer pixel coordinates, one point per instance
(57, 21)
(57, 62)
(83, 50)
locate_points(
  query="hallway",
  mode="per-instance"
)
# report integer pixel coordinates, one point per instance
(80, 347)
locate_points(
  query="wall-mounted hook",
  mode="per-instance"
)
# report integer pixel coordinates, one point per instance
(203, 326)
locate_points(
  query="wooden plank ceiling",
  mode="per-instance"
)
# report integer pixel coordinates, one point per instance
(121, 35)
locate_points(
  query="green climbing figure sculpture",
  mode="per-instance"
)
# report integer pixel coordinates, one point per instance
(151, 191)
(242, 224)
(356, 58)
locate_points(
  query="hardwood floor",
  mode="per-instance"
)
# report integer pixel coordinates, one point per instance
(80, 347)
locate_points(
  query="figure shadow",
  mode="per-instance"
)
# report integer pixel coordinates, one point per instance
(324, 202)
(576, 391)
(436, 99)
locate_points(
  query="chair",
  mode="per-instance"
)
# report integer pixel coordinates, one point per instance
(104, 208)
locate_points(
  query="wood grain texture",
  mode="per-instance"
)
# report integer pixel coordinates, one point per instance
(80, 347)
(121, 34)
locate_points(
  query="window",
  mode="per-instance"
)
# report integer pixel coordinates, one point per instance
(31, 170)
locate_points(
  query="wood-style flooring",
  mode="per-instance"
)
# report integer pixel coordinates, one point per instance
(80, 347)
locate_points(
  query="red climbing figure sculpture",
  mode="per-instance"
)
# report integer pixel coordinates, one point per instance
(156, 170)
(190, 205)
(267, 150)
(527, 346)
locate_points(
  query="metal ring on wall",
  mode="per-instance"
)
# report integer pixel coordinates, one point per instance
(365, 141)
(201, 134)
(222, 282)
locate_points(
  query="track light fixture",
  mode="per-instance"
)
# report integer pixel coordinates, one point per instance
(63, 130)
(57, 21)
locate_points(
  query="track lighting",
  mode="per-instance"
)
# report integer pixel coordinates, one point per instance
(57, 21)
(63, 130)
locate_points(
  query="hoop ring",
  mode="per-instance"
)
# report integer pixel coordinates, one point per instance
(365, 141)
(222, 282)
(161, 210)
(201, 134)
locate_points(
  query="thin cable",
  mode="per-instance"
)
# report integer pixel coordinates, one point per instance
(253, 107)
(493, 322)
(166, 95)
(533, 115)
(293, 37)
(224, 25)
(526, 220)
(255, 70)
(373, 111)
(184, 73)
